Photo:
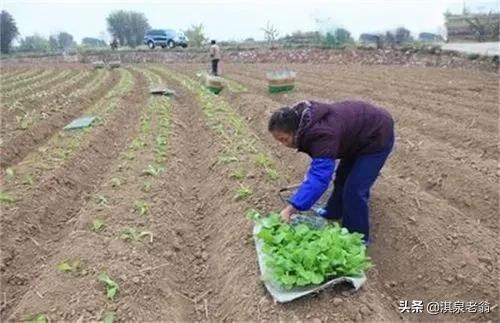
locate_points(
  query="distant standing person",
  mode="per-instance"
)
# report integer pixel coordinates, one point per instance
(215, 57)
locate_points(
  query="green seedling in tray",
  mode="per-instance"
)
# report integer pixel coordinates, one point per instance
(301, 255)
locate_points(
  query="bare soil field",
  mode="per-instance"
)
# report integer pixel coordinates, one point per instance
(147, 193)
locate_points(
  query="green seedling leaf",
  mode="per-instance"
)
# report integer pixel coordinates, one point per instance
(146, 186)
(272, 173)
(102, 200)
(6, 198)
(69, 265)
(264, 161)
(243, 193)
(226, 160)
(239, 174)
(141, 207)
(39, 318)
(98, 225)
(112, 287)
(137, 144)
(153, 170)
(253, 215)
(134, 234)
(109, 318)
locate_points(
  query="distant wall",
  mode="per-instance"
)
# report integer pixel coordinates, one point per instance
(405, 56)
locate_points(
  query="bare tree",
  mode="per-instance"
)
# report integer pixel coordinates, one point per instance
(484, 29)
(270, 33)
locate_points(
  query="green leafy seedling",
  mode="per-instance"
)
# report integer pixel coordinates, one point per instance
(69, 265)
(301, 254)
(98, 225)
(243, 193)
(141, 207)
(112, 287)
(253, 215)
(6, 198)
(161, 140)
(129, 155)
(109, 318)
(101, 200)
(239, 174)
(146, 186)
(226, 160)
(137, 144)
(153, 170)
(135, 234)
(272, 173)
(264, 161)
(39, 318)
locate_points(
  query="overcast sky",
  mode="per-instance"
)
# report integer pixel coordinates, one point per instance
(239, 19)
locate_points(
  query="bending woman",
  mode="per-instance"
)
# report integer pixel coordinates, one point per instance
(358, 134)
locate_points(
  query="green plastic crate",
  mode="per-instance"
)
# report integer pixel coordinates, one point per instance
(214, 90)
(280, 88)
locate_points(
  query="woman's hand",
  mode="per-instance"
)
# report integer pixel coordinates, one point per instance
(287, 213)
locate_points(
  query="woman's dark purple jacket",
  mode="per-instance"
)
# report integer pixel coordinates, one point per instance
(342, 130)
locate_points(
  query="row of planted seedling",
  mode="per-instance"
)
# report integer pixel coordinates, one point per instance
(24, 85)
(151, 138)
(25, 117)
(65, 143)
(240, 144)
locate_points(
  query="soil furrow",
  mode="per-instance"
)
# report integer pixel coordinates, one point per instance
(33, 223)
(18, 147)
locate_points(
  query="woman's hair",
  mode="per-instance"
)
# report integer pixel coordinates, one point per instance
(213, 42)
(284, 119)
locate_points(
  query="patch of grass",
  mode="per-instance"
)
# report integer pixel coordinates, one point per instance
(141, 207)
(134, 234)
(68, 266)
(111, 286)
(243, 193)
(98, 225)
(6, 198)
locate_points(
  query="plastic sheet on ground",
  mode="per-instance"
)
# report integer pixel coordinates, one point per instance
(82, 122)
(282, 295)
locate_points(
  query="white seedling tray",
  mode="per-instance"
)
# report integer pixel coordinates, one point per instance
(281, 295)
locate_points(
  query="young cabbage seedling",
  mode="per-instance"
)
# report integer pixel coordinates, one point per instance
(141, 207)
(243, 193)
(112, 287)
